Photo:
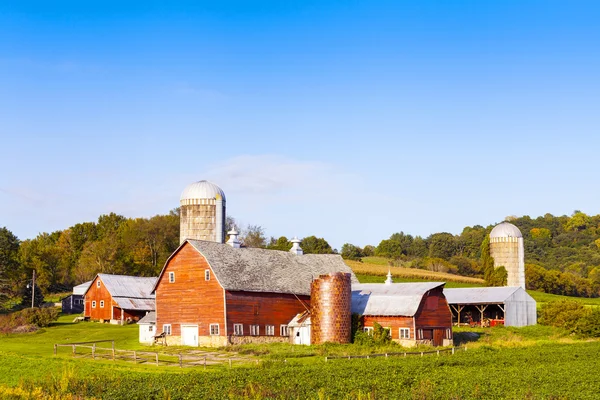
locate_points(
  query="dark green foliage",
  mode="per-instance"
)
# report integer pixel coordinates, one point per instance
(572, 316)
(352, 252)
(39, 317)
(282, 244)
(27, 292)
(9, 263)
(315, 245)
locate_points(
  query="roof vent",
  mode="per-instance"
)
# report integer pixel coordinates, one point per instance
(389, 281)
(296, 247)
(233, 238)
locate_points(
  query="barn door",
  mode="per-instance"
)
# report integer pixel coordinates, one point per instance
(438, 337)
(189, 335)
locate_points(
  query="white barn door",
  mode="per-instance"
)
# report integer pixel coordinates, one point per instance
(189, 335)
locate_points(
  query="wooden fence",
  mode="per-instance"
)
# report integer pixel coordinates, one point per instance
(400, 354)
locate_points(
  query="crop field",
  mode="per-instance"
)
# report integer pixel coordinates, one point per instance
(558, 366)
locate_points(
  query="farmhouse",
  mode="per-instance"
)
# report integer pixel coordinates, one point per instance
(414, 313)
(511, 306)
(215, 294)
(119, 298)
(73, 303)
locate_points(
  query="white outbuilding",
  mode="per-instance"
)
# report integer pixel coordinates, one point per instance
(147, 327)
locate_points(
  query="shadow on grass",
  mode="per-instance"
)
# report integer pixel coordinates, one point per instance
(461, 338)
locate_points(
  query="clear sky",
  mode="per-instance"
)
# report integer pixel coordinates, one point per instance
(349, 120)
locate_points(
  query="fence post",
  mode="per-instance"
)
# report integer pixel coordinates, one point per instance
(453, 350)
(113, 350)
(94, 351)
(465, 347)
(230, 363)
(204, 362)
(55, 349)
(73, 350)
(325, 358)
(180, 361)
(157, 359)
(421, 354)
(404, 354)
(438, 352)
(385, 355)
(134, 357)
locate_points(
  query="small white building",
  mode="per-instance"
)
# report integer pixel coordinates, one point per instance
(299, 329)
(147, 327)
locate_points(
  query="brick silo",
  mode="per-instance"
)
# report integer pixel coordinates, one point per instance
(331, 317)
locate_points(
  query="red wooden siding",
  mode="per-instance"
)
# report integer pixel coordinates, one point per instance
(190, 299)
(253, 308)
(434, 311)
(97, 294)
(393, 322)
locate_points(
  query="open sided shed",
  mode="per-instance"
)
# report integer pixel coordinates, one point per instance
(512, 304)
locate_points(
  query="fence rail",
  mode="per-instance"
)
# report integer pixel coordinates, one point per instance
(399, 354)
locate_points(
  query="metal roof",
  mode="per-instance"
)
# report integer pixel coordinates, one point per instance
(202, 190)
(129, 286)
(149, 318)
(505, 229)
(390, 300)
(260, 270)
(128, 303)
(81, 289)
(481, 295)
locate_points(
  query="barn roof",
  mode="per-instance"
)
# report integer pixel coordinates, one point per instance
(130, 292)
(260, 270)
(149, 318)
(390, 300)
(82, 288)
(481, 295)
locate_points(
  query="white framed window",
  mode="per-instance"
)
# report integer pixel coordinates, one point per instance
(167, 329)
(171, 277)
(404, 333)
(448, 333)
(368, 330)
(94, 304)
(214, 329)
(255, 330)
(270, 330)
(150, 328)
(419, 334)
(283, 330)
(98, 283)
(238, 329)
(207, 274)
(101, 303)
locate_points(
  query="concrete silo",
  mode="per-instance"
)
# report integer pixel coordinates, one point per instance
(331, 311)
(202, 212)
(507, 250)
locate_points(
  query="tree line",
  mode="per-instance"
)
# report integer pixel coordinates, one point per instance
(562, 254)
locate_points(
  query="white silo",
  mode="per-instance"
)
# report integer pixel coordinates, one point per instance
(508, 251)
(202, 212)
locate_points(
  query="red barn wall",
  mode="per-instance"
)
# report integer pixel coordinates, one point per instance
(434, 317)
(97, 294)
(394, 322)
(190, 299)
(257, 308)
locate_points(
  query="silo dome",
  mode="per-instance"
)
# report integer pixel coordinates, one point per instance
(505, 229)
(202, 190)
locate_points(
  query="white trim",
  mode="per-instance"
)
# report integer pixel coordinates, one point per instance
(368, 330)
(254, 330)
(284, 330)
(210, 330)
(93, 303)
(98, 283)
(165, 326)
(101, 303)
(406, 334)
(207, 274)
(238, 329)
(171, 276)
(270, 330)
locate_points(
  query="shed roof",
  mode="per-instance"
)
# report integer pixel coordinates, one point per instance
(82, 288)
(390, 300)
(149, 318)
(260, 270)
(481, 295)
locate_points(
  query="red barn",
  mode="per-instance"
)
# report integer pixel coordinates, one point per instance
(415, 313)
(213, 294)
(119, 298)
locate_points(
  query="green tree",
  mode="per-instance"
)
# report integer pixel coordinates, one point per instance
(9, 262)
(315, 245)
(282, 244)
(578, 221)
(351, 252)
(254, 236)
(442, 245)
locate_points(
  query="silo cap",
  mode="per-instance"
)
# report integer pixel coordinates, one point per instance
(202, 190)
(505, 229)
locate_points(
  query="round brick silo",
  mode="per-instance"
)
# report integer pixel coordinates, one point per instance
(330, 300)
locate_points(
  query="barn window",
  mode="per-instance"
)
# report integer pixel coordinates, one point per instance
(214, 329)
(150, 328)
(171, 277)
(207, 274)
(98, 283)
(283, 330)
(238, 329)
(368, 330)
(255, 330)
(94, 304)
(270, 330)
(448, 333)
(167, 329)
(404, 333)
(101, 303)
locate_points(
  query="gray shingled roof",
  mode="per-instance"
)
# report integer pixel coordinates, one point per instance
(480, 295)
(131, 292)
(390, 300)
(260, 270)
(149, 318)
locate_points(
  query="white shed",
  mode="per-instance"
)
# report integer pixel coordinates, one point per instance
(147, 327)
(512, 303)
(299, 328)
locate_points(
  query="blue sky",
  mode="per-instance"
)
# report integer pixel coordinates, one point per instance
(347, 120)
